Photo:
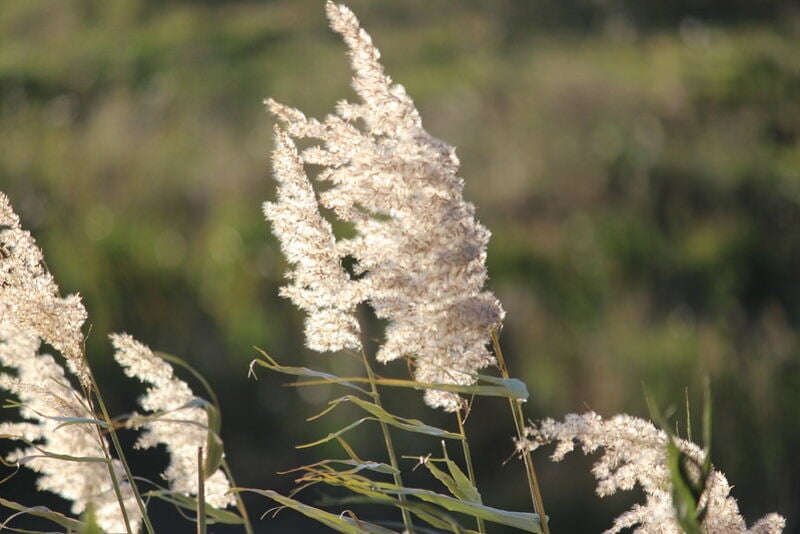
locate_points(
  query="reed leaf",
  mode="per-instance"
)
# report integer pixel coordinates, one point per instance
(433, 515)
(213, 515)
(334, 435)
(89, 519)
(384, 492)
(456, 481)
(357, 466)
(522, 520)
(320, 376)
(43, 512)
(338, 522)
(409, 425)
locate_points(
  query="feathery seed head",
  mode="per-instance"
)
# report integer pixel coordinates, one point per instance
(46, 394)
(182, 427)
(29, 297)
(319, 284)
(635, 452)
(32, 311)
(418, 250)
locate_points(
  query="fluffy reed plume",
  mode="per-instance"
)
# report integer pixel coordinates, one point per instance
(319, 286)
(29, 297)
(419, 252)
(175, 420)
(634, 451)
(32, 311)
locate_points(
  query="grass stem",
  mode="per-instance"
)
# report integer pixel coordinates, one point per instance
(113, 475)
(121, 456)
(201, 494)
(519, 424)
(387, 438)
(248, 525)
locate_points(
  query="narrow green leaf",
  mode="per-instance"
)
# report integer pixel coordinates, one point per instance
(214, 446)
(323, 378)
(181, 363)
(516, 388)
(522, 520)
(433, 515)
(66, 421)
(466, 491)
(706, 469)
(89, 519)
(382, 490)
(214, 515)
(43, 512)
(213, 459)
(410, 425)
(683, 499)
(443, 477)
(334, 435)
(339, 522)
(358, 466)
(688, 415)
(214, 419)
(509, 388)
(12, 403)
(45, 454)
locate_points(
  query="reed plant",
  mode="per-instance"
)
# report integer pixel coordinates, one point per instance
(404, 248)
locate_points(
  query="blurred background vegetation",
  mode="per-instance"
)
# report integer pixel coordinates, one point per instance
(637, 162)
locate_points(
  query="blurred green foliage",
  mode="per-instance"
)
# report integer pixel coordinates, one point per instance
(638, 164)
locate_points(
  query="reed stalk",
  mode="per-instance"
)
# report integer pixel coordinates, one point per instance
(121, 456)
(387, 439)
(201, 494)
(248, 525)
(113, 475)
(519, 424)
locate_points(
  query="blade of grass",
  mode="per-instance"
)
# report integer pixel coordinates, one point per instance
(409, 425)
(383, 492)
(334, 521)
(510, 388)
(468, 460)
(121, 456)
(184, 502)
(324, 378)
(40, 511)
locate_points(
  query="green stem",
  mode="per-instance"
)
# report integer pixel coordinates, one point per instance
(113, 475)
(201, 494)
(121, 456)
(248, 526)
(468, 461)
(519, 424)
(387, 438)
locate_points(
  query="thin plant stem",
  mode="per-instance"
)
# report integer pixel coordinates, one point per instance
(201, 494)
(468, 461)
(121, 455)
(248, 526)
(519, 424)
(113, 475)
(387, 438)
